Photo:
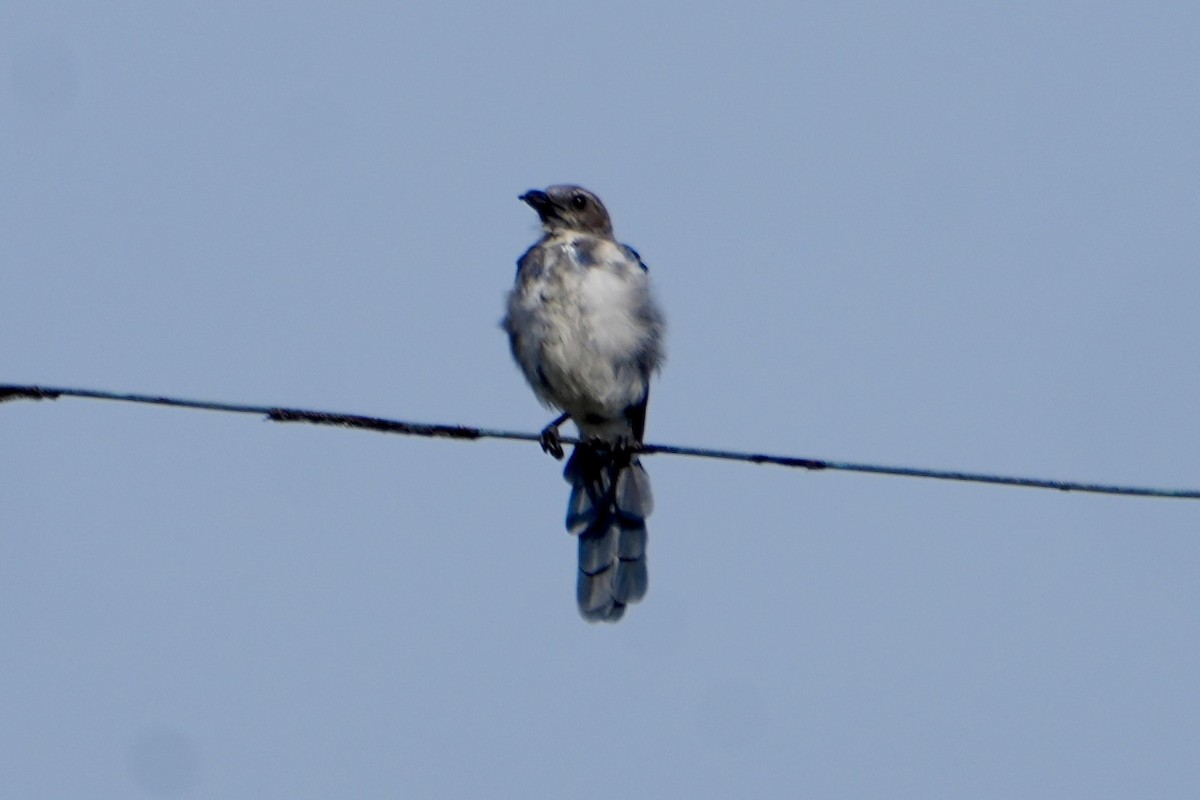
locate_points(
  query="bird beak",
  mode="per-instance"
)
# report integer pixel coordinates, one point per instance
(538, 200)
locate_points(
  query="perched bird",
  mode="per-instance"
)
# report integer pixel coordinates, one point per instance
(587, 334)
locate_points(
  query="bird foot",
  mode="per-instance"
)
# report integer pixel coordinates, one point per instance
(621, 449)
(624, 445)
(551, 442)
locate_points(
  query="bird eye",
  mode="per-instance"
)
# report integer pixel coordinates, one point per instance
(579, 201)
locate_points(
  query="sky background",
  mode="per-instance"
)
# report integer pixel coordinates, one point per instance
(937, 234)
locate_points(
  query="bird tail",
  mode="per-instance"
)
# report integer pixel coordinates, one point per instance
(610, 500)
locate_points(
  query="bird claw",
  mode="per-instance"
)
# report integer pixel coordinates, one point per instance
(551, 442)
(622, 447)
(620, 450)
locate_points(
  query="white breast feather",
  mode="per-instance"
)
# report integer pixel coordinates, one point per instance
(608, 301)
(585, 332)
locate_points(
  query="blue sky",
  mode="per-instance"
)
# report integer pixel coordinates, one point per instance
(947, 235)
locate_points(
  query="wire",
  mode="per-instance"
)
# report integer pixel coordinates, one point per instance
(280, 414)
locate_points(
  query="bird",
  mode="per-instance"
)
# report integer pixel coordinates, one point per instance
(587, 333)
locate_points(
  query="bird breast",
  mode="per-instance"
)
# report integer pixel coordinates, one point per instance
(593, 331)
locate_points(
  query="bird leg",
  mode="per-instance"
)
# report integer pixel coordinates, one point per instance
(550, 441)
